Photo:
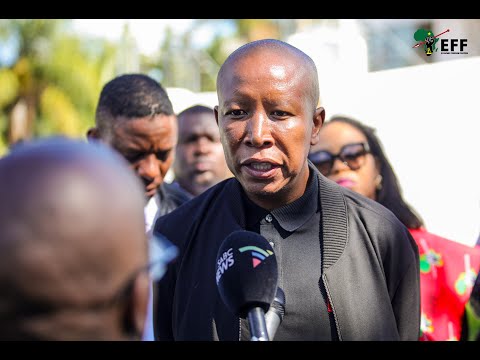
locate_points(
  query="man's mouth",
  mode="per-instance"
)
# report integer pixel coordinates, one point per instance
(202, 166)
(261, 169)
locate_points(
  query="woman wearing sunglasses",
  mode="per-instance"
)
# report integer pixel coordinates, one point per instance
(349, 153)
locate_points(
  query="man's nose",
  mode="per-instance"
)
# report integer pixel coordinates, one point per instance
(149, 167)
(258, 131)
(203, 146)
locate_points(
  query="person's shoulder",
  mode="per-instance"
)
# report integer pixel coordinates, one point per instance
(436, 238)
(382, 226)
(358, 207)
(369, 208)
(450, 248)
(377, 225)
(177, 193)
(188, 212)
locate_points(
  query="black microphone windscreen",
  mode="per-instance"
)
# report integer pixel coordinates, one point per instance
(246, 272)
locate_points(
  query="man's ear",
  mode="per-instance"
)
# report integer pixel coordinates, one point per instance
(318, 120)
(93, 134)
(136, 307)
(215, 111)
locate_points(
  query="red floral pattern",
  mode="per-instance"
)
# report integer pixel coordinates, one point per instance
(447, 273)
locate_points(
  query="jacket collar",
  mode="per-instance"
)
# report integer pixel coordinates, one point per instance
(333, 219)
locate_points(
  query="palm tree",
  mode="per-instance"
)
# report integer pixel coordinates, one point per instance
(53, 85)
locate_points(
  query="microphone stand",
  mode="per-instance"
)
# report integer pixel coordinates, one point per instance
(258, 327)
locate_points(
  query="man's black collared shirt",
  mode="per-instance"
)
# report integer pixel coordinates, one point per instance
(293, 231)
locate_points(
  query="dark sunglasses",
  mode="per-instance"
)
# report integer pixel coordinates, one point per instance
(352, 155)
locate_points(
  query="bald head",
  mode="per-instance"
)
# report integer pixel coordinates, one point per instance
(264, 52)
(71, 233)
(267, 112)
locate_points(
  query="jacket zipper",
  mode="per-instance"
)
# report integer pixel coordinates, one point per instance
(329, 299)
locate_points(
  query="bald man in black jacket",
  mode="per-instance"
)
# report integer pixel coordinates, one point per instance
(349, 268)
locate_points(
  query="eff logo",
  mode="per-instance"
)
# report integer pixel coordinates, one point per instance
(447, 46)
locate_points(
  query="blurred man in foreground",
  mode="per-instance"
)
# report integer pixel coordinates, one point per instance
(73, 249)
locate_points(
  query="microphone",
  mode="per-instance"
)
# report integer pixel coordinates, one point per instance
(274, 316)
(247, 276)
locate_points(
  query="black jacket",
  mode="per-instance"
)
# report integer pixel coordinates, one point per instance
(171, 197)
(370, 267)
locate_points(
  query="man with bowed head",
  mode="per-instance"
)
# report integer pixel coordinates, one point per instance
(135, 117)
(72, 244)
(348, 267)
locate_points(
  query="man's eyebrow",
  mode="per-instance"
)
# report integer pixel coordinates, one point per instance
(189, 136)
(126, 148)
(162, 150)
(238, 97)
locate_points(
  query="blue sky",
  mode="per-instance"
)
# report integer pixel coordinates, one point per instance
(8, 51)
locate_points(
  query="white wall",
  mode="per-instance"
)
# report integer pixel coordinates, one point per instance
(427, 117)
(183, 98)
